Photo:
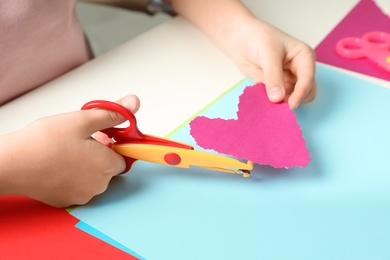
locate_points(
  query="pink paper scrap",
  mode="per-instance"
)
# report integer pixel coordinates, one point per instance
(264, 132)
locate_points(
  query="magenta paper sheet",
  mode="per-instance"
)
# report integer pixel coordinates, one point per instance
(365, 17)
(264, 132)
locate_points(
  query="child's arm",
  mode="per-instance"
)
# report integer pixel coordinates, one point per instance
(55, 160)
(261, 51)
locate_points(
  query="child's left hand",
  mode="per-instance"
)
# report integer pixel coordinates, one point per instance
(284, 64)
(262, 52)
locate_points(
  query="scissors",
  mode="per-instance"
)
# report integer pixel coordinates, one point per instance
(374, 46)
(134, 145)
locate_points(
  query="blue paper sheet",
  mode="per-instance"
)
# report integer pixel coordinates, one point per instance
(92, 231)
(336, 208)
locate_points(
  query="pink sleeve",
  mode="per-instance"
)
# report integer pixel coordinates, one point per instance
(39, 40)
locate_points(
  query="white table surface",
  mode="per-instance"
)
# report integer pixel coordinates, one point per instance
(174, 69)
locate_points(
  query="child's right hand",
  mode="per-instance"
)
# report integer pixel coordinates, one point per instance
(55, 160)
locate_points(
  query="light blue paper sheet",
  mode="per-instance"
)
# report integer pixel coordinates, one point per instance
(96, 233)
(336, 208)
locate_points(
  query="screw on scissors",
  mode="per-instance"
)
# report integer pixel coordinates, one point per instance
(374, 46)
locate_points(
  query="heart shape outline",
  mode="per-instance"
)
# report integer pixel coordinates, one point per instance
(264, 132)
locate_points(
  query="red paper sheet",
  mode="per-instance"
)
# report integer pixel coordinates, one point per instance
(365, 17)
(33, 230)
(264, 132)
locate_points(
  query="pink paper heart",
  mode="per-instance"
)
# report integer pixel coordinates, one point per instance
(264, 132)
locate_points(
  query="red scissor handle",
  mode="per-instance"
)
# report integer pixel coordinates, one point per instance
(130, 134)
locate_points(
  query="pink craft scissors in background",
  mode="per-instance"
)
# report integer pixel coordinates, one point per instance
(374, 46)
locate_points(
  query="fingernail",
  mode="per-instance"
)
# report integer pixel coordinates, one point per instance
(275, 93)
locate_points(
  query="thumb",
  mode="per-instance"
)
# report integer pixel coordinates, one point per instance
(99, 119)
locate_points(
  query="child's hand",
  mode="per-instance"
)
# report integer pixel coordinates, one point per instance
(55, 160)
(284, 64)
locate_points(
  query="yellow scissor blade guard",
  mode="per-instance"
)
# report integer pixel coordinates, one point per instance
(183, 158)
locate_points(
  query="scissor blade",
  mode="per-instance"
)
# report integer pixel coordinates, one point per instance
(245, 173)
(184, 158)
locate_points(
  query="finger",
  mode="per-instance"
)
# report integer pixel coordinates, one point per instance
(112, 162)
(289, 83)
(303, 93)
(305, 87)
(119, 163)
(273, 78)
(303, 67)
(99, 119)
(311, 95)
(102, 138)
